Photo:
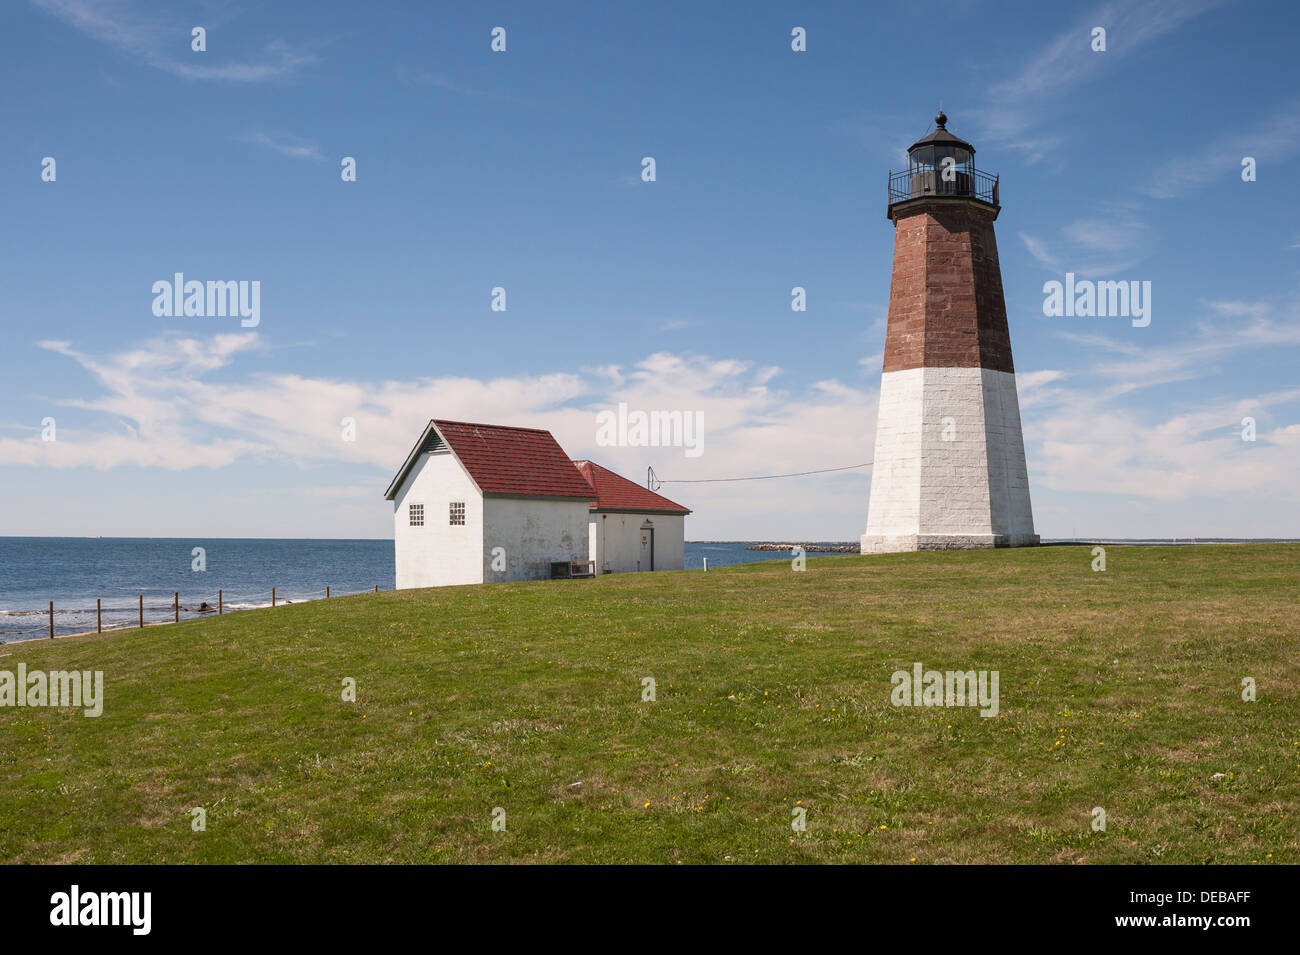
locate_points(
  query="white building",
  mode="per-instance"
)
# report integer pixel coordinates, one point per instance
(481, 502)
(475, 503)
(632, 528)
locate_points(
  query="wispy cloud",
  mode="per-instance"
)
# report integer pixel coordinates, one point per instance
(1271, 144)
(1019, 105)
(1102, 342)
(1040, 251)
(872, 363)
(1228, 329)
(1033, 387)
(1255, 310)
(1105, 244)
(286, 145)
(1030, 380)
(438, 81)
(155, 41)
(424, 78)
(1068, 60)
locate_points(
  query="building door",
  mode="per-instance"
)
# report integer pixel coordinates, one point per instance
(648, 546)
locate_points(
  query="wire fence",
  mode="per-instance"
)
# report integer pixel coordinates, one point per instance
(97, 619)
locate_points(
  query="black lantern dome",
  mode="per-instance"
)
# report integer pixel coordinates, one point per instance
(940, 144)
(942, 165)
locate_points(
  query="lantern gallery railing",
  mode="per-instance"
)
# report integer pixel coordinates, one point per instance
(962, 180)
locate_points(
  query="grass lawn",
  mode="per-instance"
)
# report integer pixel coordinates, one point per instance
(1120, 690)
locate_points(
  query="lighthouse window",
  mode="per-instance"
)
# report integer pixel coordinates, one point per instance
(416, 514)
(457, 512)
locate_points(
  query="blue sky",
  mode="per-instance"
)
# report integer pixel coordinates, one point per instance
(522, 169)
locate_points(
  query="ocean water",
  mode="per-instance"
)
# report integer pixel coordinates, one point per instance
(74, 571)
(725, 553)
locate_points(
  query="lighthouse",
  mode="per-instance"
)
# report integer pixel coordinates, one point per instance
(949, 470)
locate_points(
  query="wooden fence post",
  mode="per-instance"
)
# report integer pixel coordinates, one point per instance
(327, 591)
(220, 605)
(176, 605)
(376, 588)
(142, 611)
(272, 596)
(99, 615)
(51, 619)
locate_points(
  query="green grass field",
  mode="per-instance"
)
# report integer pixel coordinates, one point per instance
(1120, 690)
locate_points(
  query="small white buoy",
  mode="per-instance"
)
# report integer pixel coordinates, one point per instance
(706, 565)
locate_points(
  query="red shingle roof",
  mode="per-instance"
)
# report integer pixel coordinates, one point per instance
(513, 461)
(614, 492)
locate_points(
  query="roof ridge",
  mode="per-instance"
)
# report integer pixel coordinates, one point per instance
(482, 424)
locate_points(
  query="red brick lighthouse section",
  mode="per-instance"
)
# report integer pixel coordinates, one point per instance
(949, 466)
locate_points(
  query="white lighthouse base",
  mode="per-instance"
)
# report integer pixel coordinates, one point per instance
(949, 471)
(890, 545)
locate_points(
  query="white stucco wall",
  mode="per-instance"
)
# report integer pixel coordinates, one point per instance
(439, 553)
(616, 545)
(533, 532)
(932, 493)
(1013, 512)
(955, 472)
(894, 510)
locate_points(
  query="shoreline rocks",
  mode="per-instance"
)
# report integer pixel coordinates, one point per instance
(810, 548)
